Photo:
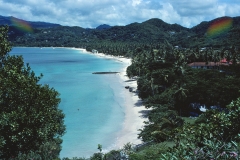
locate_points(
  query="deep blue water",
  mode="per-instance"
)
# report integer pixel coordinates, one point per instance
(90, 102)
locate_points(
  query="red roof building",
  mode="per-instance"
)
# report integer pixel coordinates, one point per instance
(209, 65)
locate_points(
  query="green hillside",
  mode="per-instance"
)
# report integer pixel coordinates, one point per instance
(8, 21)
(153, 31)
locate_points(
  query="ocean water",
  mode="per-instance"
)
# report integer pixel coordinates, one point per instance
(92, 103)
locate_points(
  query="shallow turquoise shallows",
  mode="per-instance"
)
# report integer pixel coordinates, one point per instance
(92, 103)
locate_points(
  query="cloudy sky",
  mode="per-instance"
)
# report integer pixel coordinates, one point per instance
(91, 13)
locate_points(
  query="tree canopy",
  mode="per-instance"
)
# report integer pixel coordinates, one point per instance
(30, 117)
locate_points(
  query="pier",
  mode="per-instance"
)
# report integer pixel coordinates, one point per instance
(105, 72)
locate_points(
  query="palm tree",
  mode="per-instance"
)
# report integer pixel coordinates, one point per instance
(153, 86)
(172, 121)
(216, 57)
(138, 61)
(180, 94)
(193, 55)
(227, 54)
(168, 123)
(165, 77)
(234, 51)
(206, 55)
(160, 55)
(179, 68)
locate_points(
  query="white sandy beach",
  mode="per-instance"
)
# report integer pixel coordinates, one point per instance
(134, 110)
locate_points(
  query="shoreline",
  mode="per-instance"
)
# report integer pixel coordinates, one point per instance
(134, 109)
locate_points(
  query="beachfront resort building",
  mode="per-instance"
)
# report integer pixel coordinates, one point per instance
(209, 65)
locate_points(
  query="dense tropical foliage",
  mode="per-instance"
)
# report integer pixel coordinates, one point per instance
(168, 86)
(31, 122)
(125, 39)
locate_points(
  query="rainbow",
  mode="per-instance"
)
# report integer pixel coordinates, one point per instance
(21, 25)
(219, 26)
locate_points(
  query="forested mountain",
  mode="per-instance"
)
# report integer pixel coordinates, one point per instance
(153, 31)
(9, 21)
(103, 26)
(225, 39)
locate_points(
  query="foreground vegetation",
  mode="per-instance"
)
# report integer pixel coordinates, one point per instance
(30, 123)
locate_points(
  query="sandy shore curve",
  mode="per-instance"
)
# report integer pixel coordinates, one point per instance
(135, 112)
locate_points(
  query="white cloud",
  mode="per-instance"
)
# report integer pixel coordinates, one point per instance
(135, 2)
(186, 8)
(168, 14)
(91, 13)
(233, 10)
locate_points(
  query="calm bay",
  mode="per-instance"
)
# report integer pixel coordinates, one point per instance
(92, 103)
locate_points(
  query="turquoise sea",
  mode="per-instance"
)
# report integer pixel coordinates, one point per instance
(91, 102)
